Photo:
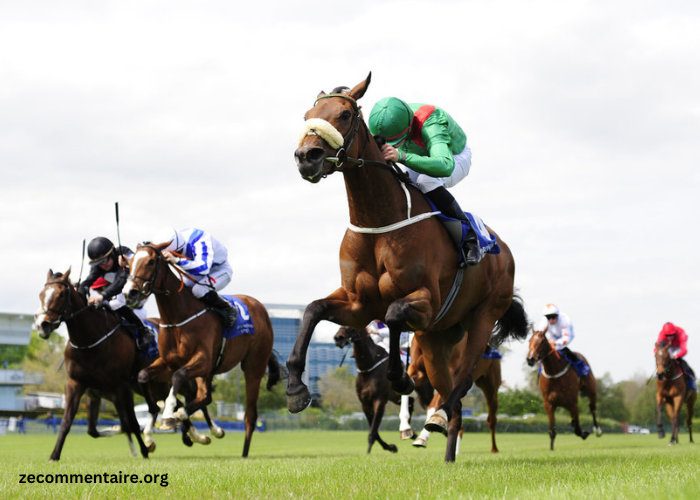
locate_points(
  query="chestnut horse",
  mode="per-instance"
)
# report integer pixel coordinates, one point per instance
(191, 342)
(487, 377)
(96, 334)
(560, 385)
(372, 387)
(672, 391)
(398, 264)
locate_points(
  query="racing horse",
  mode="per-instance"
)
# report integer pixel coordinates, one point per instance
(487, 377)
(100, 359)
(399, 264)
(560, 385)
(191, 342)
(371, 385)
(672, 391)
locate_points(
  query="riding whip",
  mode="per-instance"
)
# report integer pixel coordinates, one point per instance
(116, 209)
(82, 261)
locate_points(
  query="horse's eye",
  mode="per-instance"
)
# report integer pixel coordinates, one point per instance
(151, 262)
(345, 115)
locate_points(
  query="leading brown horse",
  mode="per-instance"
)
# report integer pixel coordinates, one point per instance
(399, 264)
(560, 385)
(672, 391)
(191, 342)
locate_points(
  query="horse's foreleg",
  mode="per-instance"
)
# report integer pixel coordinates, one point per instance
(454, 427)
(405, 430)
(576, 423)
(422, 439)
(335, 308)
(659, 415)
(491, 395)
(124, 403)
(675, 412)
(690, 409)
(374, 418)
(552, 425)
(74, 391)
(151, 372)
(412, 312)
(214, 429)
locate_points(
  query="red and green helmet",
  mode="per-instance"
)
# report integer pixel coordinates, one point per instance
(391, 118)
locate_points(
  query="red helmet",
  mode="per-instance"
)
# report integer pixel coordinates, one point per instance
(669, 329)
(99, 283)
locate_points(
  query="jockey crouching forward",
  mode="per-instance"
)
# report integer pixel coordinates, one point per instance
(206, 261)
(560, 331)
(678, 340)
(434, 149)
(109, 271)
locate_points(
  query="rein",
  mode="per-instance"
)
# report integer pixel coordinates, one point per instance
(66, 303)
(556, 353)
(352, 339)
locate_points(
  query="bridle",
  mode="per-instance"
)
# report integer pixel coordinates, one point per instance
(667, 367)
(63, 313)
(341, 153)
(552, 350)
(353, 336)
(148, 284)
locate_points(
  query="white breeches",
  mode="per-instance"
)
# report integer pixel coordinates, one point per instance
(426, 183)
(218, 278)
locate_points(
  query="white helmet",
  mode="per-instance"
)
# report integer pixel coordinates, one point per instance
(550, 309)
(177, 241)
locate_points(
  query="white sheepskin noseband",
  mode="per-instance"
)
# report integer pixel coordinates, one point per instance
(323, 129)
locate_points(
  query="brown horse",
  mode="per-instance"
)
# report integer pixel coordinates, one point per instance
(399, 264)
(372, 387)
(60, 302)
(672, 391)
(560, 385)
(487, 377)
(100, 358)
(190, 339)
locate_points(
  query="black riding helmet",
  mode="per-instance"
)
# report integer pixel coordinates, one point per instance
(99, 250)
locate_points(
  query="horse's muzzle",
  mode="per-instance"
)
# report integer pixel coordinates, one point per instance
(132, 297)
(45, 329)
(310, 163)
(531, 361)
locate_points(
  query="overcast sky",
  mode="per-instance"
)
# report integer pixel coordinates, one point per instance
(583, 119)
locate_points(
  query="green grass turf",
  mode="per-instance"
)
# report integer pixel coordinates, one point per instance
(306, 464)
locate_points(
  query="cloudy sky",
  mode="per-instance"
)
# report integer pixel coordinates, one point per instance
(583, 119)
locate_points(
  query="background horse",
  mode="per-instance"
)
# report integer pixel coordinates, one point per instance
(191, 342)
(672, 391)
(560, 385)
(372, 387)
(84, 361)
(487, 377)
(399, 264)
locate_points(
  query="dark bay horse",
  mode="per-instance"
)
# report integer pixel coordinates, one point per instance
(487, 377)
(560, 385)
(372, 387)
(190, 339)
(99, 359)
(96, 335)
(399, 264)
(672, 391)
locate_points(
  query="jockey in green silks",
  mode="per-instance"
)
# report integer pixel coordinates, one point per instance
(433, 148)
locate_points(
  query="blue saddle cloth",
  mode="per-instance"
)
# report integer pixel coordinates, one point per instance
(244, 323)
(581, 368)
(487, 241)
(690, 382)
(491, 353)
(151, 351)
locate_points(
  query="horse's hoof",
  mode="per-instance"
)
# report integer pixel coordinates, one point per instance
(219, 434)
(205, 440)
(187, 441)
(584, 435)
(299, 401)
(598, 431)
(437, 422)
(151, 447)
(662, 435)
(392, 448)
(408, 434)
(420, 443)
(404, 385)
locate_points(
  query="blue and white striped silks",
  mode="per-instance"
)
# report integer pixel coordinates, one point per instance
(244, 322)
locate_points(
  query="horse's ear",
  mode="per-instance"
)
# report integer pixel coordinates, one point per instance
(161, 246)
(545, 329)
(66, 275)
(320, 94)
(359, 90)
(49, 276)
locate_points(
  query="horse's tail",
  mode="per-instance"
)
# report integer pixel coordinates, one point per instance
(274, 374)
(513, 324)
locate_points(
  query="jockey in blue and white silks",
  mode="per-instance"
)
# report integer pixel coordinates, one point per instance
(206, 262)
(560, 332)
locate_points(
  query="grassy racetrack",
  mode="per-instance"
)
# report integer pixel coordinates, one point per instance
(334, 465)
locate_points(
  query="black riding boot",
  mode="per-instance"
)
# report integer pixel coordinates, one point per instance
(447, 204)
(142, 335)
(686, 368)
(228, 313)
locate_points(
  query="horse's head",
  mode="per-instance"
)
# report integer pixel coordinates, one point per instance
(664, 361)
(346, 336)
(55, 303)
(539, 346)
(144, 267)
(329, 131)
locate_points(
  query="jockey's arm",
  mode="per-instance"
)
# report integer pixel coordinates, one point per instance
(440, 161)
(203, 258)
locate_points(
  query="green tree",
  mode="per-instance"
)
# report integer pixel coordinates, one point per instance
(611, 403)
(338, 391)
(230, 388)
(13, 354)
(45, 356)
(519, 401)
(643, 410)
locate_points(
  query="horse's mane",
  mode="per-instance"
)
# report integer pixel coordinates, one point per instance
(340, 90)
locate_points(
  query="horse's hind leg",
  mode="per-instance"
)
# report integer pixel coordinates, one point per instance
(552, 425)
(374, 417)
(405, 430)
(124, 403)
(576, 424)
(690, 410)
(252, 391)
(659, 416)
